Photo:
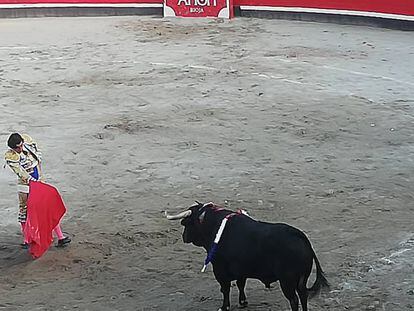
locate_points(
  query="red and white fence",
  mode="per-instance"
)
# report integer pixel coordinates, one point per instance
(393, 9)
(400, 10)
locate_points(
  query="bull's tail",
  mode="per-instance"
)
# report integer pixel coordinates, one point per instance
(320, 281)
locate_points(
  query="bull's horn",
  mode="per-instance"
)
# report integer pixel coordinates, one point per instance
(178, 216)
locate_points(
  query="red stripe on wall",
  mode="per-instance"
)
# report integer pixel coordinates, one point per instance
(404, 7)
(77, 1)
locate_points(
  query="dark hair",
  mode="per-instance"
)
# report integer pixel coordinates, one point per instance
(14, 140)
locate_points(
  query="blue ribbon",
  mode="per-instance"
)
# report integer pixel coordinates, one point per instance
(35, 173)
(210, 256)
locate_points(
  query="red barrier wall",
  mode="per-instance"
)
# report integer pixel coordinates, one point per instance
(78, 1)
(401, 7)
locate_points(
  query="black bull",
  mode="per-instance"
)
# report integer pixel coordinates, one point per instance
(248, 248)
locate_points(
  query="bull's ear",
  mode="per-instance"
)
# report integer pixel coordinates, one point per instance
(198, 202)
(201, 217)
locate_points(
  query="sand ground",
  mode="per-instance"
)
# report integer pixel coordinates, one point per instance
(305, 123)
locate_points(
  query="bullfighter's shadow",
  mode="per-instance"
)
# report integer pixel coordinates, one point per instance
(11, 251)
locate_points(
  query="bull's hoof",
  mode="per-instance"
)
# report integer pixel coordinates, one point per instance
(224, 309)
(243, 304)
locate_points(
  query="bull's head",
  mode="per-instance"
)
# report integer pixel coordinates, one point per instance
(192, 220)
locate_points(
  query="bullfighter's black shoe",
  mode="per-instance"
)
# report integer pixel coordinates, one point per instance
(63, 242)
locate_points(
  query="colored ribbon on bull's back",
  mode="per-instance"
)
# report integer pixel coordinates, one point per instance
(214, 246)
(45, 209)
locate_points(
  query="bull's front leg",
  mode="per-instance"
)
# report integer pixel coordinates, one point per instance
(225, 289)
(241, 283)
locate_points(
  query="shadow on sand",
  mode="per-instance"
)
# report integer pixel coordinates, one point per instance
(11, 252)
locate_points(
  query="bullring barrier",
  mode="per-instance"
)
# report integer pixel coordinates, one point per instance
(397, 14)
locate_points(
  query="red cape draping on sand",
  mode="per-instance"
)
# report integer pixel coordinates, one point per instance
(45, 209)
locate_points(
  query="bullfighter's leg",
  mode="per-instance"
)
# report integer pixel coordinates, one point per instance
(241, 283)
(23, 215)
(225, 289)
(303, 293)
(289, 290)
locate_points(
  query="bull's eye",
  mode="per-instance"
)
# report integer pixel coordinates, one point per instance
(185, 221)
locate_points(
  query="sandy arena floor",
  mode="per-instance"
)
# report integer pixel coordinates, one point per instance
(305, 123)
